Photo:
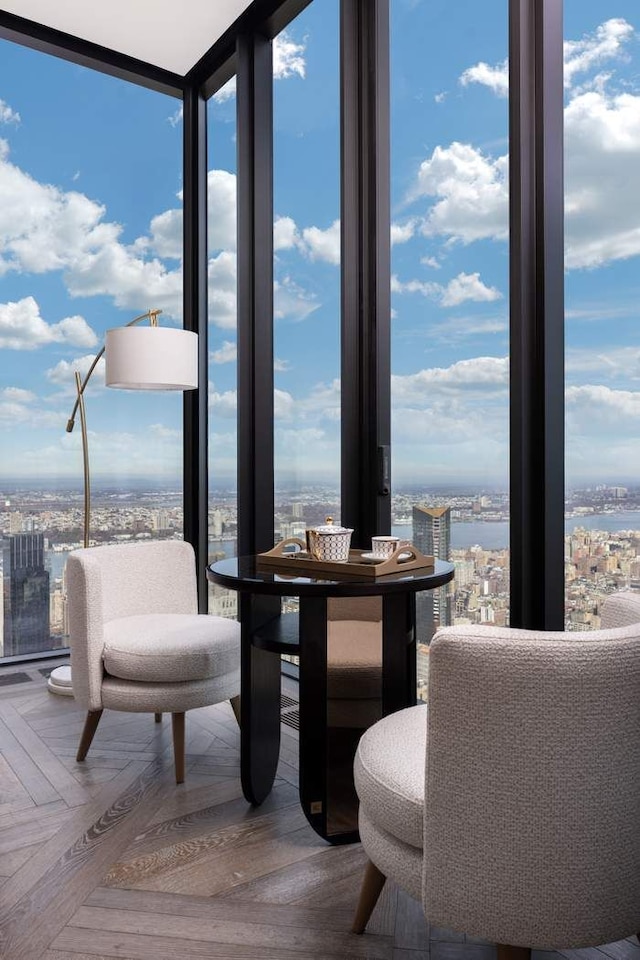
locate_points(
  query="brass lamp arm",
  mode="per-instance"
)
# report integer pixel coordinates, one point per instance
(149, 315)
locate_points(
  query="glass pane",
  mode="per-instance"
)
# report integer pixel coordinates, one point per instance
(223, 414)
(90, 237)
(306, 170)
(306, 113)
(450, 273)
(602, 246)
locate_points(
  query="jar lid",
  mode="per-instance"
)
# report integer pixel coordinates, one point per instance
(330, 527)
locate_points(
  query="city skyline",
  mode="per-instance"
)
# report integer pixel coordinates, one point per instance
(90, 236)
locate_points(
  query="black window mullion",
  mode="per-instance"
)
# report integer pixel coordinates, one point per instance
(255, 294)
(365, 259)
(195, 468)
(537, 314)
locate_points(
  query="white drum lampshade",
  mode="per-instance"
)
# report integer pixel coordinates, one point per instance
(151, 358)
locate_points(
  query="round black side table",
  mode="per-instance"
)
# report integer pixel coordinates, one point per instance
(328, 736)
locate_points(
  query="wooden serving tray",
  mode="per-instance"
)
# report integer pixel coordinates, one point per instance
(304, 565)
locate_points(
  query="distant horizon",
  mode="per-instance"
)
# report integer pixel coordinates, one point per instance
(298, 485)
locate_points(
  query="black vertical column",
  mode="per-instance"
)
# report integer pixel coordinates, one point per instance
(195, 421)
(537, 314)
(365, 259)
(255, 294)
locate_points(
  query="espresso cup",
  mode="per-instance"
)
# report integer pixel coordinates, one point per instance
(384, 546)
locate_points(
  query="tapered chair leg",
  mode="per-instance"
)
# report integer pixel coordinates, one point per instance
(505, 952)
(235, 706)
(372, 884)
(177, 727)
(90, 727)
(158, 717)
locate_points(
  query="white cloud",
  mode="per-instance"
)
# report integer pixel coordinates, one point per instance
(7, 115)
(614, 362)
(402, 232)
(496, 78)
(281, 366)
(596, 406)
(18, 394)
(227, 353)
(323, 244)
(166, 227)
(63, 374)
(43, 228)
(22, 328)
(472, 191)
(222, 210)
(223, 404)
(468, 286)
(283, 405)
(478, 374)
(285, 234)
(291, 301)
(223, 307)
(176, 117)
(606, 43)
(431, 262)
(602, 136)
(288, 57)
(164, 433)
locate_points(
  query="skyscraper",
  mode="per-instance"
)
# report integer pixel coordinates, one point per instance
(25, 594)
(432, 535)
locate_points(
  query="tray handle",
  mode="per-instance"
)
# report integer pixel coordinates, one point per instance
(415, 558)
(278, 550)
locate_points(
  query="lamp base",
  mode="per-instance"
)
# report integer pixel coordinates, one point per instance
(60, 681)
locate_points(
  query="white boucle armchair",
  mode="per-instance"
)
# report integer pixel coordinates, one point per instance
(137, 640)
(522, 826)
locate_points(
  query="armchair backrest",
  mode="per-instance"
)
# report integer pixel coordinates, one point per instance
(532, 798)
(104, 583)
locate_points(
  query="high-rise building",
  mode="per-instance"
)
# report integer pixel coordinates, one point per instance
(432, 535)
(25, 594)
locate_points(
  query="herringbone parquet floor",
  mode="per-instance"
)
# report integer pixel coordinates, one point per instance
(110, 859)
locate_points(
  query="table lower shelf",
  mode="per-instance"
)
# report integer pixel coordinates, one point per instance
(280, 635)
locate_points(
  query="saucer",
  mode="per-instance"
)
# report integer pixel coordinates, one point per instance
(374, 558)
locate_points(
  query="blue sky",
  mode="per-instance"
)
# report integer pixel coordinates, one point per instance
(90, 236)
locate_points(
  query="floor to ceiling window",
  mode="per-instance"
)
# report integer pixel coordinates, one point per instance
(602, 266)
(449, 286)
(222, 272)
(90, 236)
(306, 119)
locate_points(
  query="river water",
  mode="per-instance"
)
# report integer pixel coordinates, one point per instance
(464, 534)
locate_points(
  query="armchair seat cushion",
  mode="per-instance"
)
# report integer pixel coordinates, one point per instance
(171, 648)
(390, 774)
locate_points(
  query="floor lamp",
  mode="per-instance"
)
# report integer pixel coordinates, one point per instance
(136, 358)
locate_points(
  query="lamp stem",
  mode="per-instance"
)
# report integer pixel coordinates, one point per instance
(85, 459)
(151, 315)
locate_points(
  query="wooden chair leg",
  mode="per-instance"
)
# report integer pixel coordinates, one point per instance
(235, 706)
(158, 717)
(372, 884)
(90, 727)
(512, 953)
(177, 727)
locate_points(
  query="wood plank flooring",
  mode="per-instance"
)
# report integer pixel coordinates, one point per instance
(110, 859)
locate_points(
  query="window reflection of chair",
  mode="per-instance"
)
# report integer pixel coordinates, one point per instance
(137, 641)
(522, 828)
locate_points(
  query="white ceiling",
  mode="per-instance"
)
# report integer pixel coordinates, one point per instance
(169, 34)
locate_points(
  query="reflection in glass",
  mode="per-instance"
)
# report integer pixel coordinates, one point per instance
(602, 245)
(90, 234)
(449, 351)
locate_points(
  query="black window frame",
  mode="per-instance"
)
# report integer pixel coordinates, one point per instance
(536, 276)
